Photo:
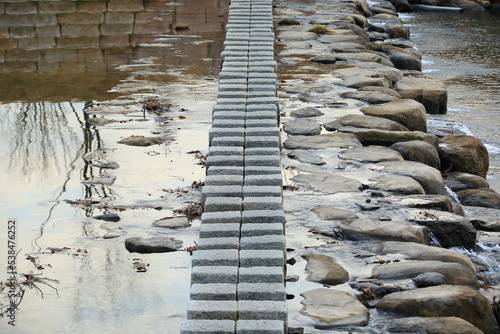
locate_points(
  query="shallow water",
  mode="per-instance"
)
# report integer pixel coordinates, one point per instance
(44, 136)
(463, 50)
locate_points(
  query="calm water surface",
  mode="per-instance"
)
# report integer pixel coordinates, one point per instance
(56, 57)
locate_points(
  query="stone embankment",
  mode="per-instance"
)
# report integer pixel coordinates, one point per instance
(238, 270)
(371, 218)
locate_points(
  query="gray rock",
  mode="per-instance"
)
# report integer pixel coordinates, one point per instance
(105, 164)
(366, 122)
(307, 157)
(106, 180)
(371, 154)
(485, 219)
(382, 69)
(443, 301)
(297, 36)
(403, 59)
(409, 113)
(431, 93)
(338, 38)
(147, 245)
(414, 251)
(329, 183)
(464, 154)
(110, 217)
(419, 151)
(396, 183)
(372, 97)
(430, 279)
(325, 59)
(431, 325)
(331, 308)
(436, 202)
(348, 47)
(306, 112)
(305, 127)
(367, 229)
(333, 213)
(324, 270)
(322, 141)
(172, 222)
(387, 138)
(484, 197)
(451, 230)
(454, 273)
(384, 90)
(144, 141)
(429, 178)
(401, 5)
(457, 181)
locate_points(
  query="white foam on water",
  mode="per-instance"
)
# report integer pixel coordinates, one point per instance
(451, 194)
(492, 264)
(492, 149)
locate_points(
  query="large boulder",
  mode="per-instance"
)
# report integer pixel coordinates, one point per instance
(431, 93)
(332, 308)
(431, 325)
(367, 229)
(372, 97)
(443, 301)
(147, 245)
(371, 154)
(429, 178)
(463, 154)
(364, 121)
(333, 213)
(401, 5)
(457, 181)
(450, 230)
(484, 197)
(324, 270)
(403, 59)
(414, 251)
(454, 273)
(322, 141)
(305, 127)
(419, 151)
(409, 113)
(387, 138)
(397, 184)
(388, 71)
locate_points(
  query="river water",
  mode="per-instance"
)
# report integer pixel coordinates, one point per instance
(55, 58)
(463, 50)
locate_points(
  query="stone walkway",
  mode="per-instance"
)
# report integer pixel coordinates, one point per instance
(238, 270)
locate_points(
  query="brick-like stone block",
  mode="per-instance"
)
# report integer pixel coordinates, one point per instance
(225, 150)
(206, 275)
(225, 170)
(262, 310)
(263, 216)
(220, 243)
(208, 327)
(56, 7)
(125, 5)
(228, 115)
(37, 43)
(260, 327)
(263, 160)
(262, 131)
(262, 170)
(256, 230)
(119, 17)
(262, 203)
(22, 32)
(262, 242)
(226, 217)
(79, 30)
(262, 141)
(219, 230)
(224, 160)
(262, 258)
(228, 141)
(117, 29)
(213, 292)
(226, 132)
(264, 180)
(21, 8)
(221, 191)
(261, 275)
(228, 123)
(261, 291)
(233, 87)
(260, 123)
(91, 7)
(220, 257)
(262, 191)
(81, 18)
(224, 180)
(259, 115)
(212, 310)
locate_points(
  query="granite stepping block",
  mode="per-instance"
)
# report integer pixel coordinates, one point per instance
(262, 180)
(225, 170)
(261, 170)
(221, 257)
(227, 217)
(220, 243)
(219, 230)
(261, 258)
(263, 216)
(261, 275)
(260, 309)
(262, 203)
(258, 230)
(261, 291)
(225, 150)
(260, 327)
(221, 191)
(263, 160)
(208, 327)
(207, 275)
(213, 292)
(212, 310)
(261, 191)
(224, 180)
(264, 242)
(224, 160)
